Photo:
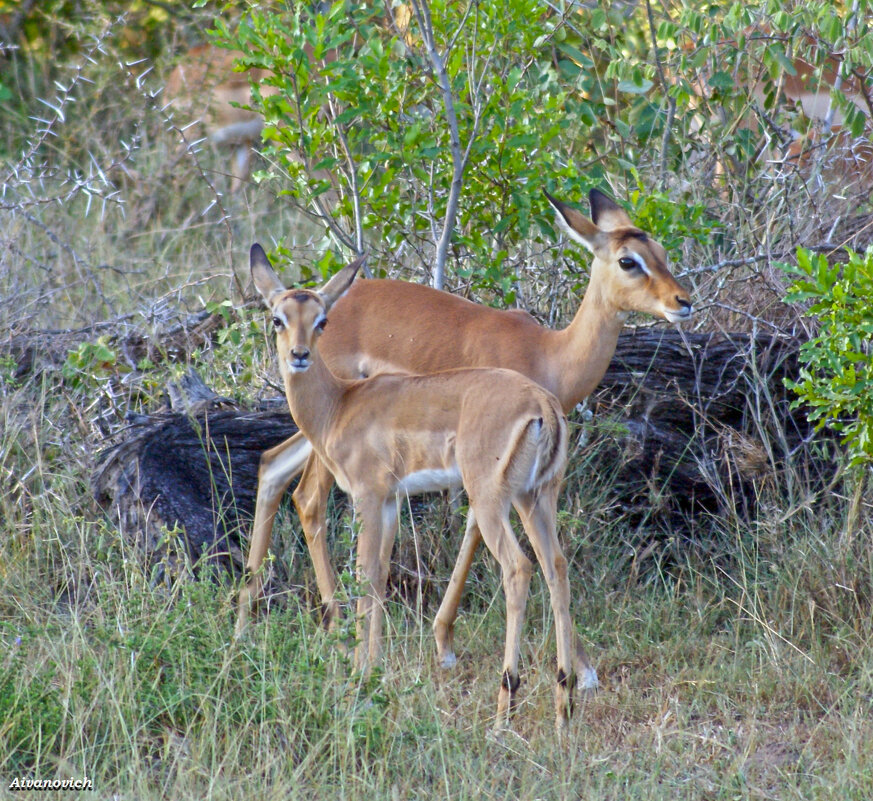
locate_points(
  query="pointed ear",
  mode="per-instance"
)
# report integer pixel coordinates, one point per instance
(574, 224)
(339, 284)
(606, 213)
(264, 276)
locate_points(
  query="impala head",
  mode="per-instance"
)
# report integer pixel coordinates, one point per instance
(299, 315)
(629, 268)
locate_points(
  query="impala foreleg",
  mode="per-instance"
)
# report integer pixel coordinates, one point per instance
(310, 499)
(278, 467)
(389, 533)
(444, 622)
(372, 513)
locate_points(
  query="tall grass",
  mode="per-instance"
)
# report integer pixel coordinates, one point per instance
(736, 658)
(749, 675)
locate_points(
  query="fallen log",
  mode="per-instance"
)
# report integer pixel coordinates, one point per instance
(684, 424)
(32, 351)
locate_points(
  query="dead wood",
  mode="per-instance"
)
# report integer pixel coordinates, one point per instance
(684, 425)
(33, 351)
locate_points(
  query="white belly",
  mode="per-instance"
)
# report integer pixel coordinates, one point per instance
(430, 481)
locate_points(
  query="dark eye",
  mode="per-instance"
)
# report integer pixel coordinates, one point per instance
(277, 323)
(627, 263)
(320, 325)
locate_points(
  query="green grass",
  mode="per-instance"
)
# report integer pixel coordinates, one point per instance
(752, 683)
(144, 690)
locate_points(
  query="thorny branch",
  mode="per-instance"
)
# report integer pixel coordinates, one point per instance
(190, 148)
(23, 171)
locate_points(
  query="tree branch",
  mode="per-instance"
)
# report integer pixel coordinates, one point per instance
(422, 13)
(671, 101)
(325, 216)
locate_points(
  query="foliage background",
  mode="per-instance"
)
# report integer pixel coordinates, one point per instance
(736, 663)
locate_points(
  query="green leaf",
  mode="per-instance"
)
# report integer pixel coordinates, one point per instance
(786, 63)
(634, 88)
(576, 55)
(721, 80)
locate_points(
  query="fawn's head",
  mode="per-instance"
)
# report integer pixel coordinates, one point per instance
(299, 315)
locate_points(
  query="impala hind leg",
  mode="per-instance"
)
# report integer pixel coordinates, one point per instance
(310, 499)
(278, 467)
(538, 515)
(517, 569)
(444, 622)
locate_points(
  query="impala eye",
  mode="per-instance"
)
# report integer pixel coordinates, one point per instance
(627, 263)
(319, 326)
(277, 323)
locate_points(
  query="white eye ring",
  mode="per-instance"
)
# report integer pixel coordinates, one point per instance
(635, 262)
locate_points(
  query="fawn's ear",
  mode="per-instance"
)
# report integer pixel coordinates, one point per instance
(264, 276)
(339, 284)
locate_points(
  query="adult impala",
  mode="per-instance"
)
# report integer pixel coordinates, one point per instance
(209, 88)
(803, 92)
(395, 326)
(393, 434)
(204, 87)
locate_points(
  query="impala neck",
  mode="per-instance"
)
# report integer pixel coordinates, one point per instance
(585, 348)
(313, 397)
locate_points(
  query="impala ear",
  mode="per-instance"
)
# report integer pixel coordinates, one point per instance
(575, 225)
(264, 276)
(340, 283)
(606, 213)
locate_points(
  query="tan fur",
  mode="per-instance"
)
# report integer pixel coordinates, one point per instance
(394, 326)
(207, 91)
(203, 88)
(394, 434)
(825, 150)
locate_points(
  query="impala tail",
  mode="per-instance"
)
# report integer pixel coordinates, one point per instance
(550, 436)
(536, 450)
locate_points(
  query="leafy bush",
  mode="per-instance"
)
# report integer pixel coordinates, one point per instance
(89, 363)
(367, 134)
(836, 379)
(425, 136)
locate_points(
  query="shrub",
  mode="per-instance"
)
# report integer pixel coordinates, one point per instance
(836, 374)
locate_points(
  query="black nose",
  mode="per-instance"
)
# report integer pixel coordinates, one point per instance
(685, 304)
(300, 354)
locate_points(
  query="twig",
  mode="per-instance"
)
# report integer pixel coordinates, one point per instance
(64, 97)
(190, 148)
(747, 315)
(825, 247)
(712, 268)
(671, 101)
(77, 259)
(356, 197)
(838, 82)
(324, 215)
